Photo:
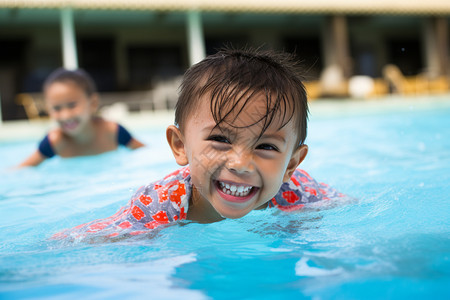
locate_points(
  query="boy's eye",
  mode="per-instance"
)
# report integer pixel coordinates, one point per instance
(56, 108)
(218, 138)
(71, 104)
(267, 147)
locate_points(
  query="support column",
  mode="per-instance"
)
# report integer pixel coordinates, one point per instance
(70, 59)
(1, 114)
(337, 69)
(196, 40)
(436, 46)
(335, 44)
(121, 61)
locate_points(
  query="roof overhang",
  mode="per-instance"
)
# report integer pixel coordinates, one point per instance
(420, 7)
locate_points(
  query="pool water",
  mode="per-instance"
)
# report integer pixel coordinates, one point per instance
(394, 243)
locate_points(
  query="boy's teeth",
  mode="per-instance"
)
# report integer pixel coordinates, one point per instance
(235, 190)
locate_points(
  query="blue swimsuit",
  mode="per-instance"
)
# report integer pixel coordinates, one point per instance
(167, 200)
(123, 138)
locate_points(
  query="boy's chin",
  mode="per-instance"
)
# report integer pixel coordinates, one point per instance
(72, 132)
(233, 214)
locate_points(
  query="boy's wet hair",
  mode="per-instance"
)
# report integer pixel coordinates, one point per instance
(79, 77)
(233, 78)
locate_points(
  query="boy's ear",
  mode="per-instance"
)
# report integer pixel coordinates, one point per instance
(297, 157)
(95, 102)
(176, 143)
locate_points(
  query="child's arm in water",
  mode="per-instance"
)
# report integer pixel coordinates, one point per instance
(134, 144)
(44, 151)
(33, 160)
(152, 206)
(126, 139)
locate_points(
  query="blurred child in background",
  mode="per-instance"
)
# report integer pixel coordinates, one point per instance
(72, 101)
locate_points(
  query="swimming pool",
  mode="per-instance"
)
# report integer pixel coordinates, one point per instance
(394, 243)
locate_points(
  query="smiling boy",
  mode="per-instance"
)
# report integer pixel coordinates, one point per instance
(240, 127)
(234, 168)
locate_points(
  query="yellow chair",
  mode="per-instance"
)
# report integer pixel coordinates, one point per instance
(33, 103)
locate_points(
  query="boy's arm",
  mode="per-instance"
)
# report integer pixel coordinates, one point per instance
(304, 191)
(153, 205)
(125, 138)
(134, 144)
(33, 160)
(101, 228)
(44, 151)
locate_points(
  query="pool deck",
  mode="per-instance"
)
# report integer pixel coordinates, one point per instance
(321, 108)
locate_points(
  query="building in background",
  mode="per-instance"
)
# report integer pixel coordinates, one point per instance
(133, 45)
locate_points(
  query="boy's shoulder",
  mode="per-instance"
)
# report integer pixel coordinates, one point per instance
(163, 201)
(56, 138)
(105, 125)
(177, 178)
(106, 128)
(301, 190)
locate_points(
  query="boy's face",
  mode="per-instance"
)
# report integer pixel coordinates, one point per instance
(234, 172)
(69, 105)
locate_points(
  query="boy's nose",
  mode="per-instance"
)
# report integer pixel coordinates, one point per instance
(240, 162)
(64, 114)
